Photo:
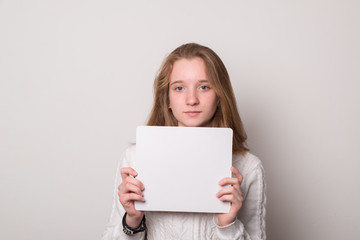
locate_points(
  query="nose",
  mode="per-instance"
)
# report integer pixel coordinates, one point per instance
(192, 98)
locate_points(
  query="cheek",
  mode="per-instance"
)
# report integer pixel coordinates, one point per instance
(173, 101)
(170, 100)
(212, 101)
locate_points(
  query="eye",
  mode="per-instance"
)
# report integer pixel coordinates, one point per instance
(179, 89)
(204, 87)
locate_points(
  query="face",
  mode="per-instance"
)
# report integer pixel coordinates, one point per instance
(191, 98)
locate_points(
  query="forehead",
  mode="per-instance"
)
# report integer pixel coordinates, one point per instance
(187, 69)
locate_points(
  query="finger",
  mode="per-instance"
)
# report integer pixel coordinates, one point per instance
(230, 198)
(237, 174)
(135, 182)
(130, 197)
(127, 171)
(131, 188)
(234, 198)
(229, 181)
(229, 190)
(131, 184)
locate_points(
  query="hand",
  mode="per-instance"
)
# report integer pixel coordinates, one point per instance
(231, 193)
(130, 190)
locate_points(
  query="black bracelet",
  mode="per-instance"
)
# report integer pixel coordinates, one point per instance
(131, 231)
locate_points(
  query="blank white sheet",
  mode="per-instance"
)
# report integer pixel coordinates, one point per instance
(181, 167)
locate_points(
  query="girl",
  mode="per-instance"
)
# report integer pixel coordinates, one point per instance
(193, 89)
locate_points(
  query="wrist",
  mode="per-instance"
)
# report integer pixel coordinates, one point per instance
(133, 220)
(129, 230)
(223, 221)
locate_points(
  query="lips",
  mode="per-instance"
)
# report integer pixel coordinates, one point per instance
(192, 113)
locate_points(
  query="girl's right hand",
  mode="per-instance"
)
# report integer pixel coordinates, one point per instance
(130, 190)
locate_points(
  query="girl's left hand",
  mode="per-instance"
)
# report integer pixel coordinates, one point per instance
(231, 193)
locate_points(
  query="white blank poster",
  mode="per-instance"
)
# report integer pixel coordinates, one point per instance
(181, 167)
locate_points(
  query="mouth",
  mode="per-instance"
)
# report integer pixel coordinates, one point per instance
(192, 113)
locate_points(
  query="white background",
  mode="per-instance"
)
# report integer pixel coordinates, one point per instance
(76, 79)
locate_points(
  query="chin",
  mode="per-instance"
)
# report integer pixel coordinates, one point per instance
(194, 124)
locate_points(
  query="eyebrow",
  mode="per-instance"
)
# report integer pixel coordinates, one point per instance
(181, 81)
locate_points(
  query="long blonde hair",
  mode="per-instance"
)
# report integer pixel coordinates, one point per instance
(226, 114)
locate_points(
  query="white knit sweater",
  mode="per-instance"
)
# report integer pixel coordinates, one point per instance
(250, 223)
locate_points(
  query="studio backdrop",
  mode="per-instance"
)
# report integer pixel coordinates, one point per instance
(76, 79)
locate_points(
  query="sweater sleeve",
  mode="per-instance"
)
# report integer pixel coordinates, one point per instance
(250, 222)
(114, 228)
